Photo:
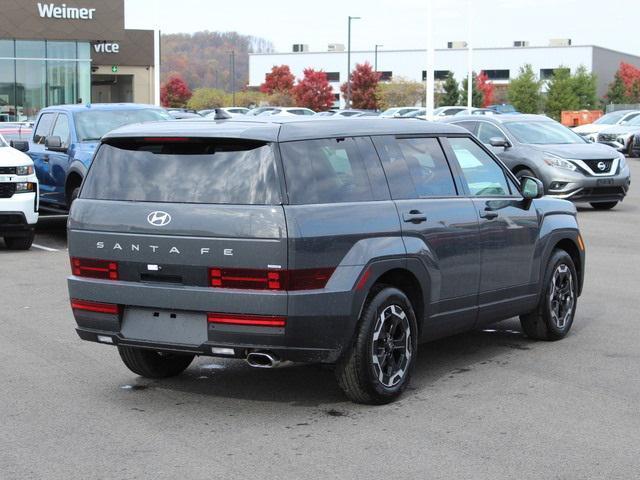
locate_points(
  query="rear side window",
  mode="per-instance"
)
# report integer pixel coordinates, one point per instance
(194, 171)
(415, 167)
(325, 171)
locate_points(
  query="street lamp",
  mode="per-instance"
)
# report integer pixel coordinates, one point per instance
(375, 68)
(233, 77)
(348, 99)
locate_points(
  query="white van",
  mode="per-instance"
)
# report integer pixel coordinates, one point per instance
(18, 195)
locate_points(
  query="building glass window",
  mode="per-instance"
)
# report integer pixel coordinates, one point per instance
(497, 74)
(547, 73)
(333, 76)
(61, 50)
(439, 75)
(6, 49)
(30, 49)
(386, 76)
(31, 92)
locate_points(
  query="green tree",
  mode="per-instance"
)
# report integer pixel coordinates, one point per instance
(524, 91)
(399, 93)
(585, 86)
(617, 91)
(205, 98)
(451, 93)
(560, 93)
(477, 97)
(250, 98)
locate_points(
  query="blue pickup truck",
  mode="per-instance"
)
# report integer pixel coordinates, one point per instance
(65, 138)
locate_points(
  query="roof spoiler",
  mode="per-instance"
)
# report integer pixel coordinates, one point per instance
(221, 115)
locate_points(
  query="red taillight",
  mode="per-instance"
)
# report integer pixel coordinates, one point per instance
(95, 307)
(104, 269)
(250, 320)
(242, 278)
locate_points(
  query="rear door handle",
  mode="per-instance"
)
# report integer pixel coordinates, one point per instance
(414, 216)
(489, 215)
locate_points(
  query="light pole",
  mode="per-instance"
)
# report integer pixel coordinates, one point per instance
(233, 78)
(469, 59)
(375, 68)
(430, 77)
(348, 99)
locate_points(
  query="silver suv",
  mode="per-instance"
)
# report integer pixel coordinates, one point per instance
(569, 166)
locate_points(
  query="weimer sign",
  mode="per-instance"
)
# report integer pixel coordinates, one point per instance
(51, 10)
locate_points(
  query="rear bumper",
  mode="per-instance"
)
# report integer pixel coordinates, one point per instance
(319, 323)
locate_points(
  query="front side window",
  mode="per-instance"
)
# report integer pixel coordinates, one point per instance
(484, 177)
(209, 171)
(415, 167)
(487, 131)
(44, 127)
(325, 171)
(61, 129)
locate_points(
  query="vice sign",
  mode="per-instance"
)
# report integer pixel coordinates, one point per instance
(59, 12)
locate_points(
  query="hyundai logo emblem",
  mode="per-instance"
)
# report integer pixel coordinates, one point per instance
(602, 166)
(159, 219)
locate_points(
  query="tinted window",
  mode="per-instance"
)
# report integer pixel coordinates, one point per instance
(61, 129)
(487, 131)
(325, 171)
(483, 175)
(471, 126)
(44, 127)
(92, 125)
(222, 172)
(415, 167)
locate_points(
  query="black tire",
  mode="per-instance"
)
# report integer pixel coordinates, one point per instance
(357, 373)
(544, 322)
(74, 194)
(604, 205)
(20, 243)
(525, 173)
(152, 364)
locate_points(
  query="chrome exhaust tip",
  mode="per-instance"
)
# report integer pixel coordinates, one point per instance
(262, 360)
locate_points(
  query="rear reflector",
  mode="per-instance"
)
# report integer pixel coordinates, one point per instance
(242, 278)
(103, 269)
(250, 320)
(95, 307)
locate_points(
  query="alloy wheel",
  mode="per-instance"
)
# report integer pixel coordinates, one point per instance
(391, 347)
(561, 296)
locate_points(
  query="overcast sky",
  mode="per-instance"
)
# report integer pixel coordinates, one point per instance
(398, 24)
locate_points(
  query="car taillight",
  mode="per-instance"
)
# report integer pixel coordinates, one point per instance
(250, 320)
(95, 307)
(242, 278)
(103, 269)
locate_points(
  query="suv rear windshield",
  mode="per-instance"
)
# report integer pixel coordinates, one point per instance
(184, 171)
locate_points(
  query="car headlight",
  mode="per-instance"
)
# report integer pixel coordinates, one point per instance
(25, 187)
(24, 170)
(559, 162)
(623, 161)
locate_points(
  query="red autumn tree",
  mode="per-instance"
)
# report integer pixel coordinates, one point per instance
(175, 92)
(487, 88)
(630, 76)
(364, 82)
(279, 80)
(313, 91)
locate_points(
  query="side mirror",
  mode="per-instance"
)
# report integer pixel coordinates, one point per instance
(54, 144)
(532, 188)
(499, 142)
(20, 145)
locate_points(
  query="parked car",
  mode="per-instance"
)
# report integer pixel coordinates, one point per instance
(65, 139)
(568, 165)
(503, 108)
(258, 110)
(183, 115)
(590, 131)
(347, 113)
(397, 112)
(230, 110)
(287, 111)
(477, 111)
(446, 111)
(18, 195)
(621, 136)
(351, 248)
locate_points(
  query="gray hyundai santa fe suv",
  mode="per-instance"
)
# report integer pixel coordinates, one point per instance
(568, 165)
(345, 242)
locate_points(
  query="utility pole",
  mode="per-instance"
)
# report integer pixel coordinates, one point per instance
(469, 60)
(375, 68)
(430, 77)
(233, 78)
(348, 99)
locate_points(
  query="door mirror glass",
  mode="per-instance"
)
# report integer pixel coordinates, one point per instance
(54, 144)
(20, 145)
(499, 142)
(531, 188)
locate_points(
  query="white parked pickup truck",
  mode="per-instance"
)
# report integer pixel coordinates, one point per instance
(18, 195)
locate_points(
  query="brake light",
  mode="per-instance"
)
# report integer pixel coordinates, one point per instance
(103, 269)
(250, 320)
(95, 307)
(242, 278)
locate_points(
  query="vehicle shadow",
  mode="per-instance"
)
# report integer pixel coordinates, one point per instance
(314, 385)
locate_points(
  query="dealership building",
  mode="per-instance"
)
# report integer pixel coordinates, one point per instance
(73, 52)
(500, 64)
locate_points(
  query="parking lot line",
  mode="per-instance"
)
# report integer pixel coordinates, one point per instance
(46, 249)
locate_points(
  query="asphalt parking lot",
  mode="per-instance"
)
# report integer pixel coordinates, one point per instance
(489, 404)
